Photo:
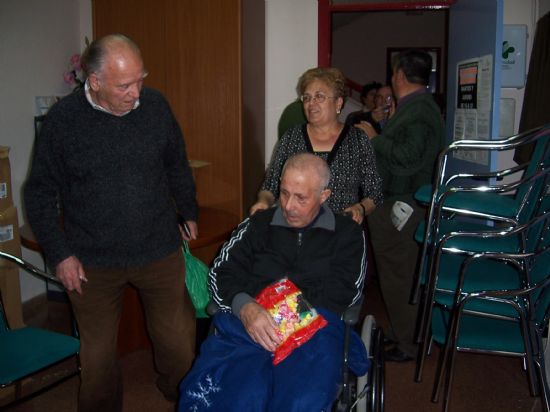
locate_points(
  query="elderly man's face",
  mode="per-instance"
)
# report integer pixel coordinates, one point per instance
(118, 85)
(301, 196)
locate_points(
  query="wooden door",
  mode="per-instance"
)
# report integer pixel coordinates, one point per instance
(192, 50)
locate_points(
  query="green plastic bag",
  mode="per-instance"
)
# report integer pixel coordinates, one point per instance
(196, 275)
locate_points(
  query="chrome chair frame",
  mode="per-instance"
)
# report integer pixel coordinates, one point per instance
(513, 239)
(444, 187)
(528, 191)
(523, 302)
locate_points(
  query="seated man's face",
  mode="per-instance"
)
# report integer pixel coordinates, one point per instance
(301, 197)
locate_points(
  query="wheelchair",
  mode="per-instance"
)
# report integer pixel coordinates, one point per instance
(356, 394)
(363, 393)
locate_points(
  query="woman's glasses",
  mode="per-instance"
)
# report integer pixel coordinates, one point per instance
(317, 98)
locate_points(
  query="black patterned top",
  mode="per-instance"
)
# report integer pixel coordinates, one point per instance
(351, 161)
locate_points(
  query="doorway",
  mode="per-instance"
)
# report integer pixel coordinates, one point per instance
(360, 38)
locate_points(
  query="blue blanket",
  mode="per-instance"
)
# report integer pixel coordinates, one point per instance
(233, 373)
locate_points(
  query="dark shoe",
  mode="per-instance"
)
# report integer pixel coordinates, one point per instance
(396, 355)
(389, 342)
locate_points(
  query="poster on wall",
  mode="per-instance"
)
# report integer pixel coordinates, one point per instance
(474, 79)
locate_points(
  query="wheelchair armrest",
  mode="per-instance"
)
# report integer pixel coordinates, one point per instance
(212, 308)
(351, 315)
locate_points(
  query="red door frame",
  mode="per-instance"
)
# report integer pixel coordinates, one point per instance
(325, 8)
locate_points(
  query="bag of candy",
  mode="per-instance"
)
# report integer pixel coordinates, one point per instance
(296, 319)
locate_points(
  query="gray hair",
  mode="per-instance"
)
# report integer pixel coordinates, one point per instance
(96, 53)
(308, 161)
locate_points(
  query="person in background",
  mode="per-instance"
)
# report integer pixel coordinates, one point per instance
(292, 115)
(113, 156)
(406, 154)
(234, 371)
(355, 183)
(368, 94)
(378, 117)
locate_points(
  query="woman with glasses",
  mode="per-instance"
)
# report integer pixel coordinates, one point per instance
(355, 183)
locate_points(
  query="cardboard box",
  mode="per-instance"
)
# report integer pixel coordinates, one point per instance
(11, 296)
(6, 199)
(10, 242)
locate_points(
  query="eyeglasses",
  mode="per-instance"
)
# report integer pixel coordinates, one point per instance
(317, 98)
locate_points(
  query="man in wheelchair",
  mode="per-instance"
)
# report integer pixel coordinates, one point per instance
(324, 255)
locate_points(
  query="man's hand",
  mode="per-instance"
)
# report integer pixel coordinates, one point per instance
(193, 231)
(260, 326)
(71, 274)
(367, 128)
(380, 113)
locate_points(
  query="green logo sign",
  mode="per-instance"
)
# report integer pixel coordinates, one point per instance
(506, 49)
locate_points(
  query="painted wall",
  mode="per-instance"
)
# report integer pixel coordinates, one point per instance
(37, 37)
(291, 49)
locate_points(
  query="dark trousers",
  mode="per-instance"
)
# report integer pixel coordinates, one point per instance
(396, 254)
(170, 319)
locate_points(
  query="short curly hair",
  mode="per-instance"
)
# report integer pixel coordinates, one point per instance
(331, 76)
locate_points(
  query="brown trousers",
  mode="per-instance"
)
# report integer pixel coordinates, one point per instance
(396, 254)
(170, 319)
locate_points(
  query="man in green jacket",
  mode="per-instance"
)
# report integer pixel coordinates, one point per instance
(406, 153)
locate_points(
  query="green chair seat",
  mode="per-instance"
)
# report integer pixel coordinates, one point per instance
(480, 202)
(480, 333)
(28, 350)
(481, 275)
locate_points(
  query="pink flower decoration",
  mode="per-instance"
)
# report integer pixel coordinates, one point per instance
(68, 77)
(75, 61)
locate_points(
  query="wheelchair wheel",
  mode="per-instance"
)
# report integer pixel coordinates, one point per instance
(373, 382)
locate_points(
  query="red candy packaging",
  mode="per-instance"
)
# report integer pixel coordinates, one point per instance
(297, 320)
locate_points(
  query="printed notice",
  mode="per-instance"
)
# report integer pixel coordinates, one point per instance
(473, 105)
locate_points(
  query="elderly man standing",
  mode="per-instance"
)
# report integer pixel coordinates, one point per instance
(406, 153)
(113, 158)
(323, 254)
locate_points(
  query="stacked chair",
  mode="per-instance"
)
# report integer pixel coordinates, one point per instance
(482, 276)
(26, 351)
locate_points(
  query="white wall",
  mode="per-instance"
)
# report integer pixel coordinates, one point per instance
(291, 49)
(37, 37)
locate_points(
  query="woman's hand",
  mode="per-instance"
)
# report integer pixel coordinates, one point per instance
(265, 201)
(258, 206)
(357, 212)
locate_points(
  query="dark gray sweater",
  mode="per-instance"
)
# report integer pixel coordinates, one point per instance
(118, 180)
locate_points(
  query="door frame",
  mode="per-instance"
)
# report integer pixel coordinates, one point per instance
(326, 8)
